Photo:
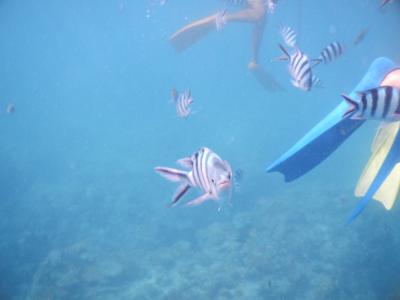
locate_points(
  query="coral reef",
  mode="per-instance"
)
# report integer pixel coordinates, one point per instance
(274, 250)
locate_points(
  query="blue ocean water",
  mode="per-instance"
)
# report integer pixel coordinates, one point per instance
(83, 215)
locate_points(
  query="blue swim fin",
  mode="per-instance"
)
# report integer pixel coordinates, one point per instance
(322, 140)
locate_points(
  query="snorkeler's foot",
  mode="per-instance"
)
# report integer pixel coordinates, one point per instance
(220, 20)
(252, 65)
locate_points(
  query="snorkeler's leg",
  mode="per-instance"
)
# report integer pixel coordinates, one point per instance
(254, 13)
(257, 36)
(194, 31)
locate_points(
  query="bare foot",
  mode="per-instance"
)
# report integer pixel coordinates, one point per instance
(220, 20)
(252, 65)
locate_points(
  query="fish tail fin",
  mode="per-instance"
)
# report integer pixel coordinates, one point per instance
(353, 105)
(172, 174)
(358, 210)
(283, 57)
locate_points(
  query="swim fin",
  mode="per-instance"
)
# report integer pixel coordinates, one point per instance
(322, 140)
(191, 33)
(384, 184)
(388, 191)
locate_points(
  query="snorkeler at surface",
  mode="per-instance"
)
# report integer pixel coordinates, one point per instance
(255, 12)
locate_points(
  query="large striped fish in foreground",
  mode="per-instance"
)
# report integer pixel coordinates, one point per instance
(182, 102)
(206, 171)
(299, 68)
(381, 103)
(330, 53)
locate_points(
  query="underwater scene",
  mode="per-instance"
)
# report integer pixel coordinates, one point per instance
(203, 149)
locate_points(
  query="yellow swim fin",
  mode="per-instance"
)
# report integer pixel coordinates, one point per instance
(388, 191)
(193, 32)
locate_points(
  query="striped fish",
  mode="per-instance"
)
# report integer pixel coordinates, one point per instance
(330, 53)
(207, 171)
(288, 36)
(182, 103)
(382, 103)
(299, 68)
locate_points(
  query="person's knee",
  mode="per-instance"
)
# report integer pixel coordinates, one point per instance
(259, 14)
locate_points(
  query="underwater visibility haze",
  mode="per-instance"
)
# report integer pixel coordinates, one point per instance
(100, 98)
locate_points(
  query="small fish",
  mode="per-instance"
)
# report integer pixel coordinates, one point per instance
(299, 68)
(207, 171)
(288, 35)
(10, 109)
(381, 103)
(360, 36)
(330, 53)
(182, 103)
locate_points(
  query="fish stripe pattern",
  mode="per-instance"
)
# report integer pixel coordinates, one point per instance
(382, 103)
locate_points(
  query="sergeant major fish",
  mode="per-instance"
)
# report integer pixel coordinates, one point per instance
(299, 68)
(182, 103)
(330, 53)
(207, 171)
(382, 103)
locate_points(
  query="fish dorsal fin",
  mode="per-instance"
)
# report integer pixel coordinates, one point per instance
(185, 162)
(172, 174)
(285, 56)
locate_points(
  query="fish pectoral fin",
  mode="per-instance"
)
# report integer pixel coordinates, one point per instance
(180, 191)
(199, 200)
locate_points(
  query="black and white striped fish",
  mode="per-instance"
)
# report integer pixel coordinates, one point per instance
(330, 53)
(288, 36)
(299, 68)
(182, 103)
(382, 103)
(207, 171)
